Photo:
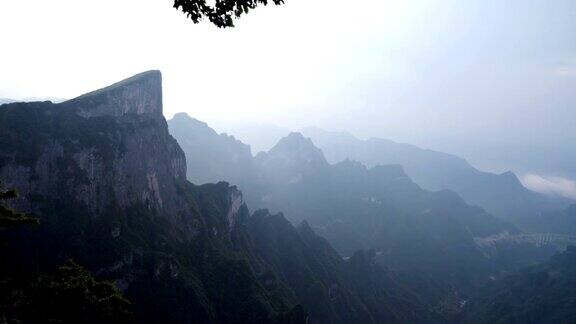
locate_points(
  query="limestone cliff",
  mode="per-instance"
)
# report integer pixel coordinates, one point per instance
(108, 183)
(110, 146)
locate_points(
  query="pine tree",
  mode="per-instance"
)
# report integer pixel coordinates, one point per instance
(9, 217)
(72, 295)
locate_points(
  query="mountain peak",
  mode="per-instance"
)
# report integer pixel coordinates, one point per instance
(140, 94)
(184, 121)
(296, 138)
(321, 134)
(182, 116)
(295, 142)
(510, 178)
(295, 149)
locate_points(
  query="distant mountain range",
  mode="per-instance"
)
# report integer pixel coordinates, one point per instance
(430, 169)
(500, 194)
(357, 207)
(223, 157)
(31, 99)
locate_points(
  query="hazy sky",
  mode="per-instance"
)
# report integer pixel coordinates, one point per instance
(457, 75)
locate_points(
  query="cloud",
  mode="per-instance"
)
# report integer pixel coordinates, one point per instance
(554, 186)
(565, 71)
(566, 68)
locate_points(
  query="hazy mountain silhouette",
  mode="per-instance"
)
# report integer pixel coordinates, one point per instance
(32, 99)
(356, 207)
(500, 194)
(213, 157)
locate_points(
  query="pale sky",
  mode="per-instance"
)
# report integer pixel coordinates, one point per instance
(454, 75)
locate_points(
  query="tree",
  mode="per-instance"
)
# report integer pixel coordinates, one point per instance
(70, 295)
(223, 12)
(9, 217)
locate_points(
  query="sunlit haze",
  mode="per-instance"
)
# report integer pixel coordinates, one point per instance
(459, 76)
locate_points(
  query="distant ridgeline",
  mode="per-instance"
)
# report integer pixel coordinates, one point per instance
(500, 194)
(433, 238)
(108, 183)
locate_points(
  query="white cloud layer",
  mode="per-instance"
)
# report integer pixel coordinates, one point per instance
(550, 185)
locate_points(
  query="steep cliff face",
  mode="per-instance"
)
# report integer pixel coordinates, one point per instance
(111, 145)
(139, 95)
(109, 184)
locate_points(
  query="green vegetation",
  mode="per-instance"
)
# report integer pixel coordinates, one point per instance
(9, 217)
(70, 295)
(540, 294)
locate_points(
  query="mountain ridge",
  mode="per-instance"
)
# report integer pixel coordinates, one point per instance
(356, 207)
(437, 170)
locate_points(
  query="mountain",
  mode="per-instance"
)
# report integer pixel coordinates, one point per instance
(353, 291)
(223, 158)
(6, 100)
(356, 207)
(561, 222)
(261, 136)
(540, 294)
(500, 194)
(29, 99)
(108, 183)
(434, 238)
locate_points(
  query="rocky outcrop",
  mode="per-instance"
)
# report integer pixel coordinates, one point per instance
(139, 95)
(108, 146)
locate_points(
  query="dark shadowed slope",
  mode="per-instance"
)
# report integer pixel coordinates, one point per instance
(540, 294)
(334, 290)
(108, 183)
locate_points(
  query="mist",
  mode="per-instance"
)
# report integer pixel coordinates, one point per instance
(491, 81)
(551, 185)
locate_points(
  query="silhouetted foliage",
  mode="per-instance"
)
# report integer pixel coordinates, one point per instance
(223, 12)
(70, 295)
(9, 217)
